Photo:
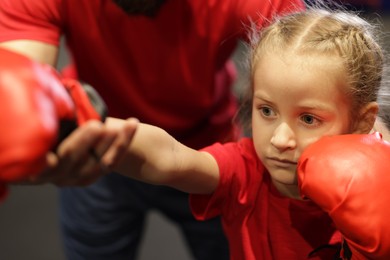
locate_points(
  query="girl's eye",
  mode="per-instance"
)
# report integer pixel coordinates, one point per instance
(267, 112)
(310, 120)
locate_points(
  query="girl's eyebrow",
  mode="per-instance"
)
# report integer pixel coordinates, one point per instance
(263, 99)
(315, 105)
(307, 105)
(262, 96)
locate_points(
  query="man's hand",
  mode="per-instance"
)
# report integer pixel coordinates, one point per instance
(36, 105)
(89, 152)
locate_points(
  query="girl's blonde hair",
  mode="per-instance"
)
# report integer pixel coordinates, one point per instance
(334, 33)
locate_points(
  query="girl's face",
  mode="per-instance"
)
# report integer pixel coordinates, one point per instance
(296, 100)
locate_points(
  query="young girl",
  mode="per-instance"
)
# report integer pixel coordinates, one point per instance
(313, 74)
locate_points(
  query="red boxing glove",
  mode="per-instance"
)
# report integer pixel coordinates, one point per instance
(348, 177)
(34, 103)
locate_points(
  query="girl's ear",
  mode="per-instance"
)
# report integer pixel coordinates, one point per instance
(366, 118)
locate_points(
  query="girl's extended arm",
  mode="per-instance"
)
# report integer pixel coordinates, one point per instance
(155, 157)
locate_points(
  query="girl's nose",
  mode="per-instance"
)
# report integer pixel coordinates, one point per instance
(283, 137)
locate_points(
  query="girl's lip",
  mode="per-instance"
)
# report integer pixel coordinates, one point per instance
(282, 162)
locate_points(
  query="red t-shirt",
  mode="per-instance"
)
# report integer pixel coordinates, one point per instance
(259, 222)
(171, 71)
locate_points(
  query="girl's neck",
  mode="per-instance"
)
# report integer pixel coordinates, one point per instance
(290, 191)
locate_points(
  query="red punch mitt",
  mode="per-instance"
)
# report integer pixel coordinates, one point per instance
(348, 176)
(35, 102)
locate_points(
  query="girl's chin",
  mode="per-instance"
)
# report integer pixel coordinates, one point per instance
(284, 177)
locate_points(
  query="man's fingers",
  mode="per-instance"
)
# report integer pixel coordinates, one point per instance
(76, 149)
(125, 132)
(87, 153)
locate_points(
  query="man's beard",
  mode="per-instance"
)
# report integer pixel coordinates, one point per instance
(140, 7)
